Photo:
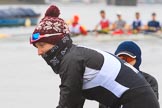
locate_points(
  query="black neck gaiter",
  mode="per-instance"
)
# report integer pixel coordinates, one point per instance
(54, 56)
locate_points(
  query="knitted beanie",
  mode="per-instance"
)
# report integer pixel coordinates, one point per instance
(131, 49)
(51, 24)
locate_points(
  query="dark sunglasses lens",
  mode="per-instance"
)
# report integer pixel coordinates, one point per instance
(35, 36)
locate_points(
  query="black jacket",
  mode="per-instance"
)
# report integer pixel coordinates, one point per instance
(95, 75)
(153, 83)
(151, 80)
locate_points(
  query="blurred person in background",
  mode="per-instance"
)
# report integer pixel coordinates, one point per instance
(137, 24)
(88, 73)
(119, 26)
(104, 24)
(153, 25)
(76, 28)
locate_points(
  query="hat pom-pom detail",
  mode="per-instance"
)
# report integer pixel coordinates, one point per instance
(53, 11)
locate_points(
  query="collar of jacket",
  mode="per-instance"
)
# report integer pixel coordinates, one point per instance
(54, 56)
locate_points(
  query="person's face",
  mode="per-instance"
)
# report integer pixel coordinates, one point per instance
(131, 61)
(119, 17)
(153, 17)
(43, 47)
(103, 15)
(137, 15)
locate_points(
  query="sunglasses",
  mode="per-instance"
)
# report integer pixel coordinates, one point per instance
(126, 58)
(35, 37)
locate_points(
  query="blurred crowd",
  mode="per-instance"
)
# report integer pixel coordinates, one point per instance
(120, 26)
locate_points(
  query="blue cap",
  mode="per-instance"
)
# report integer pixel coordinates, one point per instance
(131, 49)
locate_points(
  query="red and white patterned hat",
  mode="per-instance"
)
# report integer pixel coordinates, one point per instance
(51, 24)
